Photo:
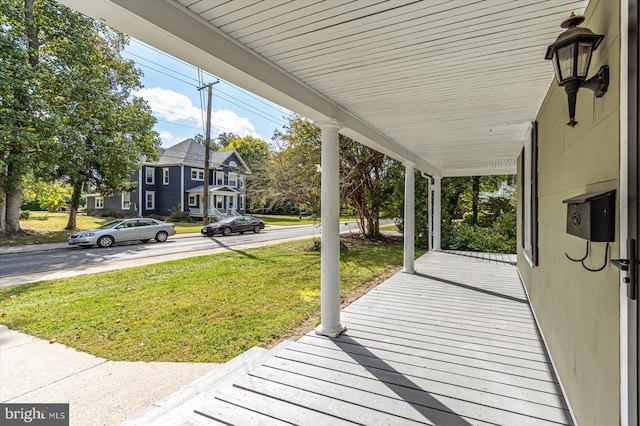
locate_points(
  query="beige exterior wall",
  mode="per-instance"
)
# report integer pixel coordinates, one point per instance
(578, 310)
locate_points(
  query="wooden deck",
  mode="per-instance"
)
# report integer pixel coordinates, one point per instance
(454, 344)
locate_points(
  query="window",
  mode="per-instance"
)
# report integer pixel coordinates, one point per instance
(241, 202)
(233, 164)
(233, 179)
(529, 166)
(99, 203)
(165, 176)
(219, 202)
(240, 182)
(150, 176)
(193, 200)
(146, 222)
(197, 174)
(150, 200)
(125, 200)
(231, 202)
(219, 178)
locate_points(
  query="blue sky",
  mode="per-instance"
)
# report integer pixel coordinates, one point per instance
(171, 89)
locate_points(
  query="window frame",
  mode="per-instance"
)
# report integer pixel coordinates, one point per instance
(95, 203)
(165, 176)
(125, 197)
(197, 174)
(193, 197)
(150, 175)
(153, 200)
(219, 178)
(235, 180)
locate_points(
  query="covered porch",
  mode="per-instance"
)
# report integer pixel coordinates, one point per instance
(223, 201)
(456, 343)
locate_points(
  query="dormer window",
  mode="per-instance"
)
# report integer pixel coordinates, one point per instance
(233, 164)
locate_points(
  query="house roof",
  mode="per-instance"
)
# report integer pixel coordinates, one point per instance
(191, 152)
(451, 86)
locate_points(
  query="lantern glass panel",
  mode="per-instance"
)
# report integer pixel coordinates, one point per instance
(565, 61)
(584, 58)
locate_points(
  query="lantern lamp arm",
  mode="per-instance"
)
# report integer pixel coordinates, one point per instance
(599, 83)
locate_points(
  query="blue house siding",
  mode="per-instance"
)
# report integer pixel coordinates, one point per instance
(173, 193)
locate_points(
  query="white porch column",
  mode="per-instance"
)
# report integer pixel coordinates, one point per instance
(330, 215)
(430, 213)
(437, 220)
(409, 217)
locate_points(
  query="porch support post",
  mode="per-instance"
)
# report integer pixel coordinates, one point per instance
(437, 220)
(430, 213)
(330, 249)
(409, 217)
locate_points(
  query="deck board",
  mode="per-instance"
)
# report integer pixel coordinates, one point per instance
(453, 344)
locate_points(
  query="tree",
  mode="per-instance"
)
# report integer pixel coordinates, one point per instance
(225, 138)
(25, 122)
(52, 196)
(255, 153)
(293, 175)
(99, 131)
(363, 174)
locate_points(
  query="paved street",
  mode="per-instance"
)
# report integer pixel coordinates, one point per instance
(29, 264)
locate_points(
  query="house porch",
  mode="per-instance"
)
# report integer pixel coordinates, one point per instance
(456, 343)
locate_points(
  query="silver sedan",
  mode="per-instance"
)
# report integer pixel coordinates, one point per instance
(122, 230)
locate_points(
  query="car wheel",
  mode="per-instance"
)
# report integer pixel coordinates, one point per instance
(161, 236)
(145, 241)
(256, 229)
(226, 231)
(105, 241)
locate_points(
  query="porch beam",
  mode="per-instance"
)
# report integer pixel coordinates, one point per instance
(437, 219)
(330, 237)
(409, 217)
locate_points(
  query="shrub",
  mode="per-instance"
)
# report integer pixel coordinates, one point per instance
(157, 217)
(110, 213)
(24, 215)
(317, 246)
(179, 216)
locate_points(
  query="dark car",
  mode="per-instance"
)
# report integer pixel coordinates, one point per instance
(228, 225)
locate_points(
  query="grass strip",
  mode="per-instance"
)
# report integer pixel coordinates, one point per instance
(203, 309)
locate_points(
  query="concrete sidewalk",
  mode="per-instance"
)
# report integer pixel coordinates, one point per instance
(99, 392)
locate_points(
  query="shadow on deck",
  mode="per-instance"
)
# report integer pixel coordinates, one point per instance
(454, 344)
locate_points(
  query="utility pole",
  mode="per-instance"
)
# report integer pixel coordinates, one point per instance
(207, 151)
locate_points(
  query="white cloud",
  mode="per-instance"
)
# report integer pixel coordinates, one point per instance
(228, 121)
(171, 106)
(169, 139)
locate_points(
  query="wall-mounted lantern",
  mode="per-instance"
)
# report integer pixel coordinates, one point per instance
(571, 56)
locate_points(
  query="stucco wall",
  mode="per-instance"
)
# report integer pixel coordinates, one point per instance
(579, 310)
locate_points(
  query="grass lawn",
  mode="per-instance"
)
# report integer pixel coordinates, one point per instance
(204, 309)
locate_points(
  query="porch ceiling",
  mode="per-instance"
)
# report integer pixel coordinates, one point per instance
(450, 85)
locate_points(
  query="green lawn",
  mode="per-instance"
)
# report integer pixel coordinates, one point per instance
(204, 309)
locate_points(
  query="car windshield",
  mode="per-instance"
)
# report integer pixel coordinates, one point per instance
(226, 220)
(110, 225)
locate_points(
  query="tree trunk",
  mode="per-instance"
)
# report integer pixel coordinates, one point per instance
(3, 211)
(475, 196)
(73, 208)
(12, 218)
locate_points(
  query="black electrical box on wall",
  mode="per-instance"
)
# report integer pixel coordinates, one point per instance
(592, 216)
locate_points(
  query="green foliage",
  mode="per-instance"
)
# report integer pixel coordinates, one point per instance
(49, 196)
(179, 216)
(494, 228)
(317, 246)
(69, 98)
(24, 215)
